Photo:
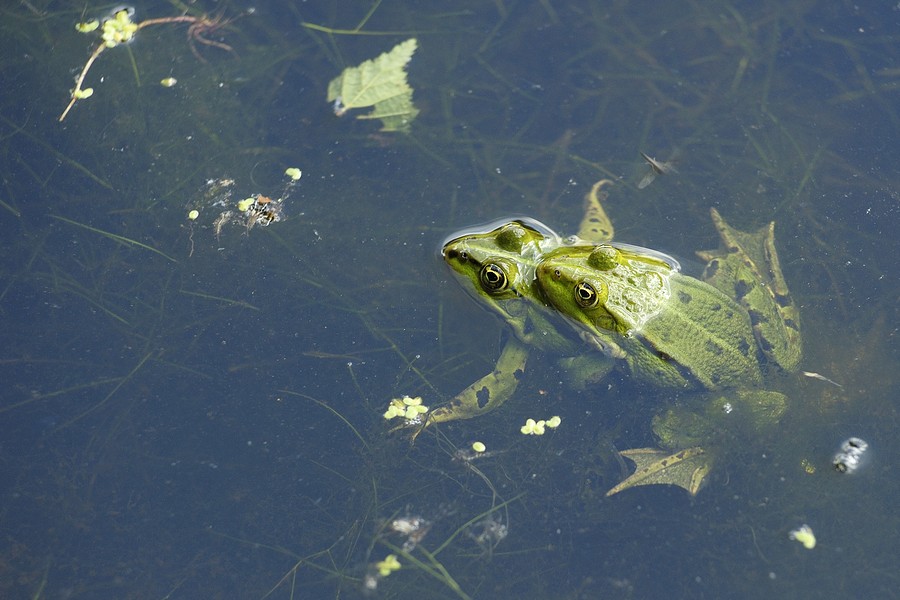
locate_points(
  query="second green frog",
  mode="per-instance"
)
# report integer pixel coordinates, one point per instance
(631, 308)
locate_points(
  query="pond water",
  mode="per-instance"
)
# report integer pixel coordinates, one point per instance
(192, 408)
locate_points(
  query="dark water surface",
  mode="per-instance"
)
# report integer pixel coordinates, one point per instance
(193, 413)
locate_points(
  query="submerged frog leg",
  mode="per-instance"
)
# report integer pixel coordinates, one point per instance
(587, 369)
(743, 414)
(596, 226)
(747, 268)
(686, 468)
(490, 391)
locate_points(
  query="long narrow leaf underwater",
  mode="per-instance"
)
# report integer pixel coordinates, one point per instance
(381, 83)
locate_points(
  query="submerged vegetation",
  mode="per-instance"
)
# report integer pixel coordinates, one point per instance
(205, 407)
(120, 28)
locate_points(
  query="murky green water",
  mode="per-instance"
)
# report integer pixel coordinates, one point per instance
(193, 413)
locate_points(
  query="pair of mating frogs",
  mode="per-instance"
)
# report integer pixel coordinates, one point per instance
(631, 308)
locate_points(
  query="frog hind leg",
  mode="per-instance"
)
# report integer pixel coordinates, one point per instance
(686, 468)
(586, 371)
(685, 432)
(737, 414)
(490, 391)
(746, 267)
(596, 225)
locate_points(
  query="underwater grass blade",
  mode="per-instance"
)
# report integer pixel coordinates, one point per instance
(334, 412)
(436, 569)
(474, 520)
(53, 394)
(291, 574)
(228, 301)
(369, 14)
(115, 237)
(76, 289)
(445, 577)
(112, 393)
(331, 31)
(9, 207)
(59, 155)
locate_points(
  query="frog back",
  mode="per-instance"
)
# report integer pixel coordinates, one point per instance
(703, 337)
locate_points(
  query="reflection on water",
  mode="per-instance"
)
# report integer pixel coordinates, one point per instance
(204, 412)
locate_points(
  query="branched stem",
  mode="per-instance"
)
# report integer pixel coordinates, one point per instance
(197, 23)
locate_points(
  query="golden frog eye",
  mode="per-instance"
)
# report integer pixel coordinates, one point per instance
(585, 295)
(493, 278)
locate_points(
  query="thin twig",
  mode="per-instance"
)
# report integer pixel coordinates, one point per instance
(80, 80)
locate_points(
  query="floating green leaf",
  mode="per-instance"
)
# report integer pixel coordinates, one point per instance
(381, 83)
(687, 468)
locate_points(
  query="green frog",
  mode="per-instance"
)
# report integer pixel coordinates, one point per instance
(601, 305)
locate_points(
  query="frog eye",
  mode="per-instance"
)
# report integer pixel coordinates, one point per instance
(493, 278)
(585, 295)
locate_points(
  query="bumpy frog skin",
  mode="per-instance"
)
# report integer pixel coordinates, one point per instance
(670, 329)
(630, 307)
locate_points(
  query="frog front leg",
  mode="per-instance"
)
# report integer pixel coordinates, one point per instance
(596, 226)
(490, 391)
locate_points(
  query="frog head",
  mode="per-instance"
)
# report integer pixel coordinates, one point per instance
(496, 262)
(606, 289)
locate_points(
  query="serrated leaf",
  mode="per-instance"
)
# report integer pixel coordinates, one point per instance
(380, 82)
(686, 468)
(395, 113)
